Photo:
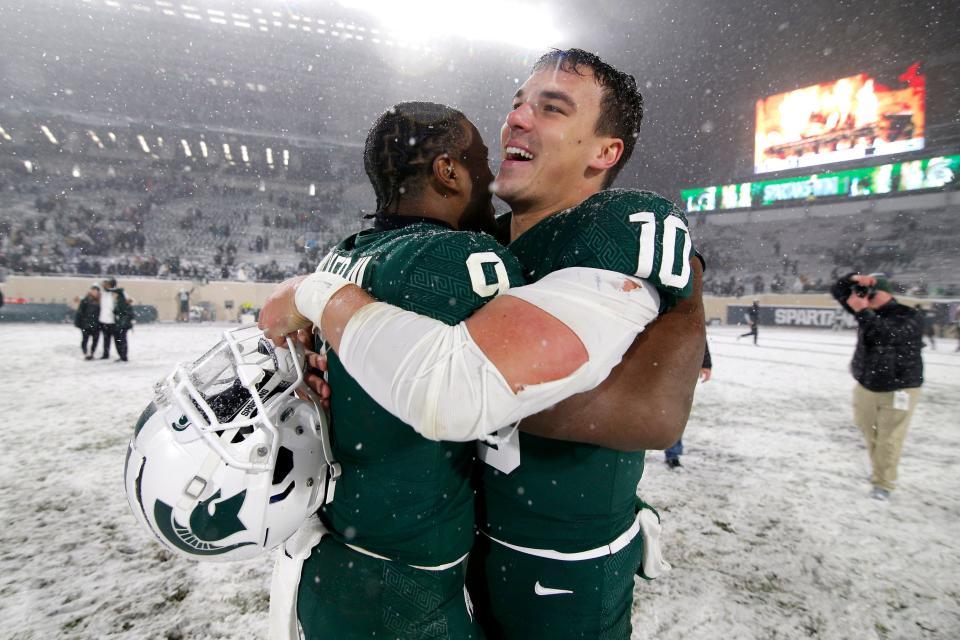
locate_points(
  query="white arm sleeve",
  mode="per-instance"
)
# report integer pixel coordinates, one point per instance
(435, 378)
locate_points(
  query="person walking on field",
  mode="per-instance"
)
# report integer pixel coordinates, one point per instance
(888, 368)
(754, 317)
(87, 319)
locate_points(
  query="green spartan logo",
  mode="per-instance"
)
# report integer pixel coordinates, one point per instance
(205, 528)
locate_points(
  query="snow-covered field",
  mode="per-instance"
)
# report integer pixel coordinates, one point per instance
(768, 525)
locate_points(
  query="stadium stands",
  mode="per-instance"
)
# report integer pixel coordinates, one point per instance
(917, 248)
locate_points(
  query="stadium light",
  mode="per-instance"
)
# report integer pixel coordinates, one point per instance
(96, 139)
(203, 148)
(286, 158)
(76, 171)
(49, 134)
(186, 148)
(269, 156)
(5, 135)
(527, 25)
(143, 143)
(244, 154)
(226, 152)
(28, 166)
(313, 189)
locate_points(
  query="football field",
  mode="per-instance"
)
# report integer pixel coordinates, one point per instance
(768, 525)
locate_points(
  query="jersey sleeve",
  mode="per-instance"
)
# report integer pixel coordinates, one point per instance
(637, 233)
(450, 275)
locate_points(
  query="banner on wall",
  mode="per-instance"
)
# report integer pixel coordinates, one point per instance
(793, 316)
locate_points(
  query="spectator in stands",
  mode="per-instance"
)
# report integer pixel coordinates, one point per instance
(672, 455)
(888, 368)
(123, 310)
(87, 319)
(108, 319)
(753, 316)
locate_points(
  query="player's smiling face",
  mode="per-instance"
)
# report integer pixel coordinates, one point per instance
(548, 142)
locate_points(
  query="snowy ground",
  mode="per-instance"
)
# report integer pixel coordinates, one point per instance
(768, 526)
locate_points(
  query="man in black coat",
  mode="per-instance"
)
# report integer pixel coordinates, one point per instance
(888, 368)
(123, 311)
(87, 320)
(754, 317)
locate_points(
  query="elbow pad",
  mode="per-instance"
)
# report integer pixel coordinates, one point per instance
(436, 379)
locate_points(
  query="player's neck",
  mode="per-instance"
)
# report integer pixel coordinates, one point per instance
(426, 208)
(526, 215)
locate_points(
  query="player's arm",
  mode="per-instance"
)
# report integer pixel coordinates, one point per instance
(519, 354)
(646, 400)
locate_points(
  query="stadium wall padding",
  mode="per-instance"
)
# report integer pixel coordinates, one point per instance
(145, 292)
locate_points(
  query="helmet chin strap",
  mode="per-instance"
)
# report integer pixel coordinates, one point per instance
(194, 489)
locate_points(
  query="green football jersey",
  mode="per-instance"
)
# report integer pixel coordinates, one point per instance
(568, 496)
(400, 495)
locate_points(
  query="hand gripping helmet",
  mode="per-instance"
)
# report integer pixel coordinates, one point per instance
(227, 462)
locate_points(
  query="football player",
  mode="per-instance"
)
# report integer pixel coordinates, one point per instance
(402, 522)
(559, 520)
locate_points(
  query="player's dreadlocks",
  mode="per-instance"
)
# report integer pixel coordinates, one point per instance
(403, 144)
(621, 107)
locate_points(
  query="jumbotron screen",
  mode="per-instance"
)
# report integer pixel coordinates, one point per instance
(847, 119)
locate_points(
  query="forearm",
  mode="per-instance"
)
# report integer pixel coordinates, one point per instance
(338, 312)
(646, 400)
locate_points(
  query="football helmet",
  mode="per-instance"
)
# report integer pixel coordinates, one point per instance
(227, 461)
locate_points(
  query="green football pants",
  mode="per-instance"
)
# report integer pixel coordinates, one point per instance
(524, 597)
(347, 595)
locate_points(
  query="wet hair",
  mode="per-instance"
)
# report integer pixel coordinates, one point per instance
(402, 145)
(621, 104)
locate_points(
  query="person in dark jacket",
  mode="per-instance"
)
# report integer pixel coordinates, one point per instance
(929, 325)
(123, 312)
(754, 316)
(672, 455)
(888, 368)
(87, 320)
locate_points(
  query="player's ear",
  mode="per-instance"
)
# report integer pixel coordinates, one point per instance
(445, 173)
(608, 154)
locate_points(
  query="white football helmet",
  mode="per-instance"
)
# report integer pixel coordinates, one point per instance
(227, 462)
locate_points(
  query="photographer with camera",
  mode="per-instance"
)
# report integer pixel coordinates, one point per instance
(887, 367)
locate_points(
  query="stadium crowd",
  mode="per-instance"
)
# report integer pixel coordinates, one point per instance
(154, 226)
(186, 226)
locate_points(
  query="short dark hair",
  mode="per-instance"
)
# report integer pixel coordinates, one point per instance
(403, 143)
(110, 282)
(621, 105)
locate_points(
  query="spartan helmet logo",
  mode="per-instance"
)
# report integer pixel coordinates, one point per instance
(209, 521)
